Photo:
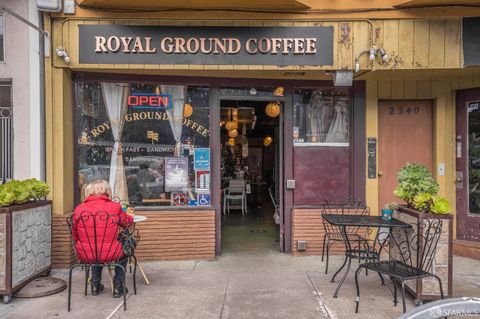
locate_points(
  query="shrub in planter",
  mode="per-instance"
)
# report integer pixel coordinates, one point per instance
(419, 190)
(25, 234)
(20, 192)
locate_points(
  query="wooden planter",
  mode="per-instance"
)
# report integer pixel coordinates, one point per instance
(25, 245)
(427, 289)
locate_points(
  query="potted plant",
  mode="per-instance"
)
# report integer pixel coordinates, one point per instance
(388, 209)
(419, 190)
(25, 234)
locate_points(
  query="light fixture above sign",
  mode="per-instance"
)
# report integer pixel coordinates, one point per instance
(343, 78)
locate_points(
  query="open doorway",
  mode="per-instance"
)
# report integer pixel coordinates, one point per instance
(251, 155)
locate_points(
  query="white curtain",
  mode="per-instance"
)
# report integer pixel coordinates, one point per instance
(338, 131)
(115, 97)
(175, 112)
(315, 124)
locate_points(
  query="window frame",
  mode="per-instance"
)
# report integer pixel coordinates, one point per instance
(78, 77)
(351, 123)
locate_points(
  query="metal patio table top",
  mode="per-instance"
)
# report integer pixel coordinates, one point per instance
(343, 221)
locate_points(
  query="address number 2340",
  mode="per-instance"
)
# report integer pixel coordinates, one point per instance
(403, 110)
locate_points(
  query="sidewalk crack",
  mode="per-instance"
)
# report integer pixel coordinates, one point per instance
(224, 297)
(322, 306)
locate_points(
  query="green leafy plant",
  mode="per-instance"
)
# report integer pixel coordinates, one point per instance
(19, 192)
(440, 205)
(422, 201)
(391, 206)
(414, 179)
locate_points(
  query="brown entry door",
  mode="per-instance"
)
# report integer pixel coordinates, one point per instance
(404, 135)
(468, 164)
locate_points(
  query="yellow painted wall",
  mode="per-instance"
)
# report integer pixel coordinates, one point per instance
(418, 49)
(59, 130)
(411, 44)
(427, 85)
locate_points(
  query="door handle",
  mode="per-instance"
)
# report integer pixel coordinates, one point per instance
(380, 173)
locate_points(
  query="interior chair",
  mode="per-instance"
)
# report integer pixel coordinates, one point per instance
(332, 234)
(408, 254)
(94, 250)
(235, 192)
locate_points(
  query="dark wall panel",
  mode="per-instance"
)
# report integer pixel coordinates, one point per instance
(321, 173)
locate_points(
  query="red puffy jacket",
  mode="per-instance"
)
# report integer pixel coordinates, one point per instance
(97, 217)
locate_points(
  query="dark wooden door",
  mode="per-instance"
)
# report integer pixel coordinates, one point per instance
(468, 164)
(404, 135)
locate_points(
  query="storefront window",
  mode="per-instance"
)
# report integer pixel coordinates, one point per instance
(150, 141)
(321, 117)
(322, 152)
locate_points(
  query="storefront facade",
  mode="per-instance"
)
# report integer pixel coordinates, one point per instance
(119, 106)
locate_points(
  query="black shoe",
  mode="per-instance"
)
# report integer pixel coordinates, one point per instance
(118, 291)
(96, 289)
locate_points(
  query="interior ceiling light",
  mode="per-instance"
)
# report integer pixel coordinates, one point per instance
(231, 141)
(272, 109)
(232, 133)
(231, 125)
(187, 110)
(267, 140)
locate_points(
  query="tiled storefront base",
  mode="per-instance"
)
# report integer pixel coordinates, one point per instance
(307, 225)
(165, 235)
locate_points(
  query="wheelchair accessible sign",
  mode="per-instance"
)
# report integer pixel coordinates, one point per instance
(204, 199)
(201, 159)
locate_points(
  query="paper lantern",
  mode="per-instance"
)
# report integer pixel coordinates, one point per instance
(231, 141)
(231, 125)
(232, 133)
(267, 141)
(272, 109)
(187, 110)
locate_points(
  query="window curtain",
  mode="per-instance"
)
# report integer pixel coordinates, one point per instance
(115, 97)
(338, 131)
(315, 118)
(175, 112)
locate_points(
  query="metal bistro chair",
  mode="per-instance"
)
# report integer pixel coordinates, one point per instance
(344, 205)
(410, 251)
(96, 251)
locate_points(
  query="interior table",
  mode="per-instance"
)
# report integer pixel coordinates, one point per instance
(343, 221)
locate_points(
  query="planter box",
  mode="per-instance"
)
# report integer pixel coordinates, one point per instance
(25, 245)
(427, 289)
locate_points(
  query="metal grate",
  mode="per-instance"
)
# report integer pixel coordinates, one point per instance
(6, 131)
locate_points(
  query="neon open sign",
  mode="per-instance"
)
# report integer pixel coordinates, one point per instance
(150, 101)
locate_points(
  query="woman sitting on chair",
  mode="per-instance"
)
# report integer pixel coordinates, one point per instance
(98, 202)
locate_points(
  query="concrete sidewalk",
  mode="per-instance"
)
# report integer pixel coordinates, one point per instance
(268, 285)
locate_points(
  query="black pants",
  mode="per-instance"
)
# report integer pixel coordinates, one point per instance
(117, 279)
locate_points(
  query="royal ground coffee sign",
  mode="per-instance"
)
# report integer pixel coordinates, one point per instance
(122, 44)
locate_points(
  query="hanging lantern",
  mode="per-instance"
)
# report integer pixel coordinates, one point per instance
(187, 110)
(232, 133)
(272, 109)
(231, 141)
(267, 141)
(231, 125)
(235, 114)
